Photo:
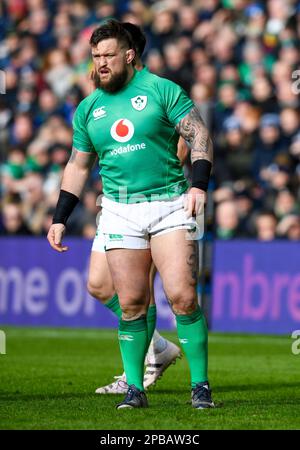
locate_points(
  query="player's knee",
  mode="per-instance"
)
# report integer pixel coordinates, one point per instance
(132, 307)
(184, 303)
(132, 312)
(100, 291)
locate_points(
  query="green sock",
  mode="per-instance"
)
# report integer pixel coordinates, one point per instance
(133, 338)
(151, 322)
(114, 305)
(192, 334)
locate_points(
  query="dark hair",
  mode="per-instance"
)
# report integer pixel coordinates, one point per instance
(138, 37)
(109, 30)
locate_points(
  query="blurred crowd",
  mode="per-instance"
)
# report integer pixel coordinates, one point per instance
(237, 59)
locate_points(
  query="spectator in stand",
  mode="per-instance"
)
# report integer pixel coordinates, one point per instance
(234, 158)
(26, 99)
(245, 207)
(227, 221)
(48, 105)
(269, 144)
(12, 220)
(294, 149)
(202, 98)
(265, 226)
(163, 27)
(227, 100)
(255, 62)
(22, 131)
(278, 177)
(155, 62)
(263, 95)
(289, 227)
(256, 20)
(249, 117)
(188, 20)
(33, 204)
(285, 95)
(285, 204)
(59, 74)
(223, 48)
(13, 170)
(38, 159)
(206, 74)
(176, 66)
(290, 125)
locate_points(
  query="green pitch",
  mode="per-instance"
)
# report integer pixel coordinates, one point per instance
(48, 378)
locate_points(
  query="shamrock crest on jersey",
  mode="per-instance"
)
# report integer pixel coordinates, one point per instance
(139, 102)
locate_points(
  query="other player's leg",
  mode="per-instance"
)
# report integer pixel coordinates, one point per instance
(161, 352)
(100, 286)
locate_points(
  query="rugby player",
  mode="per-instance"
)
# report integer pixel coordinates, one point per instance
(161, 352)
(145, 214)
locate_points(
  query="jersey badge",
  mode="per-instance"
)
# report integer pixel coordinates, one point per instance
(99, 113)
(139, 102)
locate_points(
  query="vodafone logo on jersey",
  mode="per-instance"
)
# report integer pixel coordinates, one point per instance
(122, 130)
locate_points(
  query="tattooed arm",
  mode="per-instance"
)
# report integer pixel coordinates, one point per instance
(195, 132)
(182, 151)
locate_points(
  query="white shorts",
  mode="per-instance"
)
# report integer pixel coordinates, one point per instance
(132, 225)
(99, 240)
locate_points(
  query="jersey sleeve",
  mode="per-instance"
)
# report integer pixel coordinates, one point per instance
(175, 100)
(81, 139)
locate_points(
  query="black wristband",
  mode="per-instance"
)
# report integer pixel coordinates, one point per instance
(200, 174)
(65, 205)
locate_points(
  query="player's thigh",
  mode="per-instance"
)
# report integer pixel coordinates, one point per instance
(130, 273)
(100, 283)
(176, 259)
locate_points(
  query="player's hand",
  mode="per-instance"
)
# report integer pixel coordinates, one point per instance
(194, 202)
(55, 235)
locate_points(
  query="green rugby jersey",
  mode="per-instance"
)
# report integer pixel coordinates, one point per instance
(133, 133)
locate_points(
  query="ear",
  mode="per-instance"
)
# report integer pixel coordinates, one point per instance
(130, 55)
(92, 74)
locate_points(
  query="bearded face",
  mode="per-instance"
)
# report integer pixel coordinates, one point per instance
(111, 62)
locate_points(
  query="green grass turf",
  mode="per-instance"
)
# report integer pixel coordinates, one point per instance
(48, 378)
